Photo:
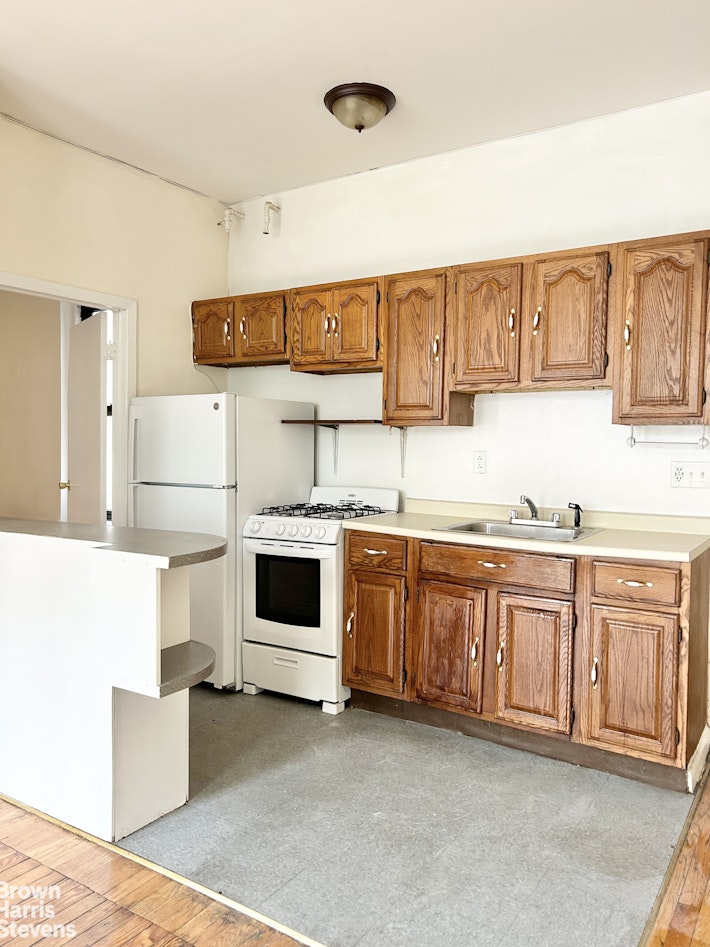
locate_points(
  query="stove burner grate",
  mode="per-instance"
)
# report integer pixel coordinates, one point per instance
(325, 511)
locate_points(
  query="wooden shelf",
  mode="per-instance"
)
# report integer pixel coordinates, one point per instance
(334, 422)
(184, 665)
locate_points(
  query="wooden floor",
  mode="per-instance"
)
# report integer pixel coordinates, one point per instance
(682, 914)
(104, 898)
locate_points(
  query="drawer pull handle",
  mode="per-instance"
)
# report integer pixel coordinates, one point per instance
(536, 320)
(633, 584)
(375, 552)
(474, 652)
(349, 625)
(499, 656)
(511, 323)
(595, 673)
(435, 348)
(492, 565)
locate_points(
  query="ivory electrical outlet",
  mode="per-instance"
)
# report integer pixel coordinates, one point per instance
(480, 462)
(690, 473)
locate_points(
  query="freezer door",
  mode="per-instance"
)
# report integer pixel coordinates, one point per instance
(212, 584)
(185, 439)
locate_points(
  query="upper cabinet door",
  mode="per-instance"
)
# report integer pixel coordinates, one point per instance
(353, 323)
(568, 313)
(212, 330)
(487, 325)
(662, 334)
(260, 333)
(413, 382)
(310, 327)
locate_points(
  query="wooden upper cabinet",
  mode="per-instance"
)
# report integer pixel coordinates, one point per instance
(240, 330)
(568, 309)
(487, 324)
(414, 390)
(451, 645)
(260, 335)
(534, 662)
(539, 322)
(212, 331)
(335, 328)
(661, 333)
(633, 682)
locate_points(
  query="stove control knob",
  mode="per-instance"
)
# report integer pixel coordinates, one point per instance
(255, 526)
(293, 530)
(306, 530)
(280, 529)
(320, 532)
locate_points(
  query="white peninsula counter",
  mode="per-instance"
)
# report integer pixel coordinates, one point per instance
(95, 665)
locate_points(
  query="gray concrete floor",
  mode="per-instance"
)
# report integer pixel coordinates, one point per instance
(364, 830)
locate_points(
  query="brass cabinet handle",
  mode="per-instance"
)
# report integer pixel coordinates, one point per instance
(627, 335)
(536, 320)
(435, 348)
(474, 652)
(226, 330)
(375, 552)
(65, 484)
(334, 324)
(243, 327)
(326, 325)
(595, 673)
(633, 584)
(349, 625)
(492, 565)
(499, 656)
(511, 322)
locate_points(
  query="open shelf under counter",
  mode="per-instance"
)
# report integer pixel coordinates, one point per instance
(184, 665)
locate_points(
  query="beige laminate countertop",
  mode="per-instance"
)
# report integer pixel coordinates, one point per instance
(169, 548)
(614, 543)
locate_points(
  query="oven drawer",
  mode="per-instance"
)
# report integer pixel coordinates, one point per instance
(311, 676)
(376, 551)
(498, 565)
(655, 585)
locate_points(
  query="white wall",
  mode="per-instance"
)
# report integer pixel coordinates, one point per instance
(637, 174)
(74, 218)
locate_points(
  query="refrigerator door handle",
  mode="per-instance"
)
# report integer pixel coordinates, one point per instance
(131, 511)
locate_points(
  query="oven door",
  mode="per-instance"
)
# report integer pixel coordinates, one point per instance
(293, 594)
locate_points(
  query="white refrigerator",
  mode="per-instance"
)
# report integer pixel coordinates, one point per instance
(202, 464)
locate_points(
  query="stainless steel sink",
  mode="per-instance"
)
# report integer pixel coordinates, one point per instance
(556, 534)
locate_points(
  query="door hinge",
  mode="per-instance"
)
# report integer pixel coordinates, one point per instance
(109, 410)
(680, 634)
(378, 296)
(574, 621)
(705, 396)
(404, 675)
(110, 351)
(377, 345)
(606, 360)
(572, 716)
(677, 736)
(608, 270)
(406, 593)
(387, 297)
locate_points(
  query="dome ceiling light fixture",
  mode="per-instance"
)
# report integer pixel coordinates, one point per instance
(359, 105)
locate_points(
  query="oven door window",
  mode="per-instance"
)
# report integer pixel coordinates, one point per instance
(288, 590)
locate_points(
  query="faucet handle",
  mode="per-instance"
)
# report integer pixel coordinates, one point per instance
(556, 518)
(512, 515)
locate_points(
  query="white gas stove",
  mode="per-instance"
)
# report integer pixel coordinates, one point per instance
(293, 592)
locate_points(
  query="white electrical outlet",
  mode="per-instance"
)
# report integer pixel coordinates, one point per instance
(690, 473)
(480, 462)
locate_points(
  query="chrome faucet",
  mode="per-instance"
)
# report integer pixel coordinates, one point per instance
(533, 508)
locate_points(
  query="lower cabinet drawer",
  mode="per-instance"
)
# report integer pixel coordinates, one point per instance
(498, 565)
(376, 551)
(654, 585)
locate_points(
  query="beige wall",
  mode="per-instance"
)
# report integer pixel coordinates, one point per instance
(74, 218)
(29, 406)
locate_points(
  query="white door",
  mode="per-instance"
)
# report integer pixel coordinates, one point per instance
(86, 421)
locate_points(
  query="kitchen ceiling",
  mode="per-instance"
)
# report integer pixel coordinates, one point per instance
(226, 96)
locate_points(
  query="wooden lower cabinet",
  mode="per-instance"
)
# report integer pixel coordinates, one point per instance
(451, 645)
(534, 662)
(633, 674)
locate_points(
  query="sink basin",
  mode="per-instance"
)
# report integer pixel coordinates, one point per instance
(557, 534)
